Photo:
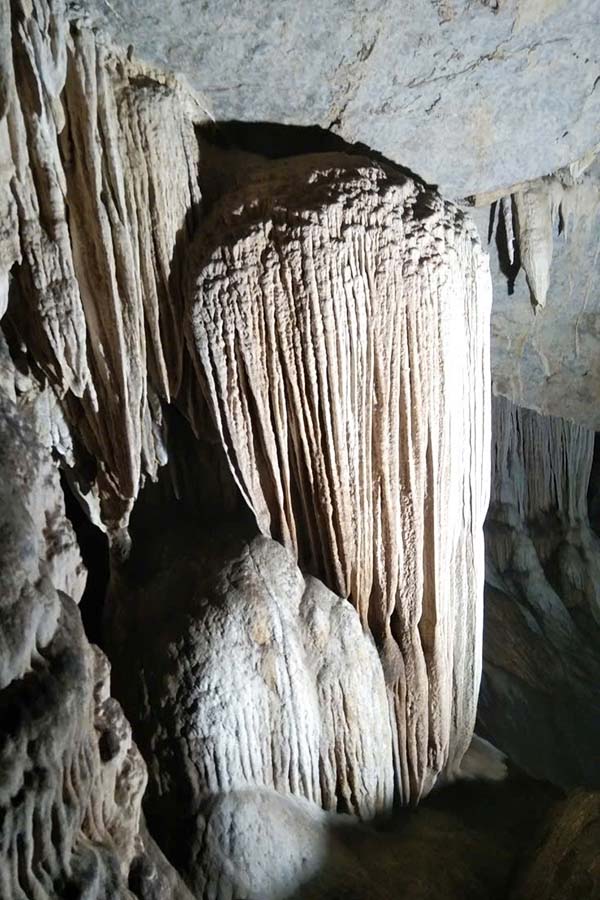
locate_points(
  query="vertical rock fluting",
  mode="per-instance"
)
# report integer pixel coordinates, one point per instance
(340, 317)
(539, 699)
(95, 220)
(339, 334)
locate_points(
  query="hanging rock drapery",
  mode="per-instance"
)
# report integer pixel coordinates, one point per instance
(340, 316)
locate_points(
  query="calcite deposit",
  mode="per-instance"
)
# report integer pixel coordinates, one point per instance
(96, 222)
(71, 780)
(340, 314)
(245, 374)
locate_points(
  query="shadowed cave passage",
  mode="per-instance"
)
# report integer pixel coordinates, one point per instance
(93, 545)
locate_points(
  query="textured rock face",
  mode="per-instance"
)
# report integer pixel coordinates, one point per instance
(498, 92)
(566, 862)
(539, 699)
(545, 338)
(300, 707)
(72, 780)
(340, 314)
(96, 222)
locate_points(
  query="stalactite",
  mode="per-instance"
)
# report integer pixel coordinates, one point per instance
(97, 222)
(543, 208)
(534, 227)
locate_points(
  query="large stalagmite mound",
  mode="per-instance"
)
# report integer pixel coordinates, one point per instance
(340, 316)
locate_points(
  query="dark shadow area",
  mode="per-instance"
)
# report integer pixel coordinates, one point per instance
(509, 269)
(469, 841)
(593, 494)
(275, 140)
(93, 546)
(179, 538)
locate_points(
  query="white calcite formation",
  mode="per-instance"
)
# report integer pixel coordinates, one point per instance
(330, 326)
(340, 316)
(247, 676)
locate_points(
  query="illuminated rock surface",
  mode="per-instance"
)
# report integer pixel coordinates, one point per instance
(297, 349)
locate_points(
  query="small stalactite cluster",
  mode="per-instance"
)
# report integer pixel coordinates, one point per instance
(535, 211)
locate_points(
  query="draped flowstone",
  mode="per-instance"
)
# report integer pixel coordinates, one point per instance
(339, 317)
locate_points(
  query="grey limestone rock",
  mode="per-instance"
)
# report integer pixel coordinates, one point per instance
(547, 356)
(474, 95)
(539, 700)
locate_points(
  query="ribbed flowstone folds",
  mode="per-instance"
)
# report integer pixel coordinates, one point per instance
(330, 325)
(94, 218)
(340, 317)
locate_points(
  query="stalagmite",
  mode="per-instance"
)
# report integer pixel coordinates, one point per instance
(340, 315)
(246, 676)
